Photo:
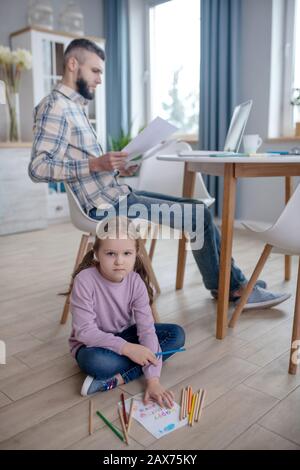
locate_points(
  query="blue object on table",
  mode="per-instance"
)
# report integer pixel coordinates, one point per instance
(283, 152)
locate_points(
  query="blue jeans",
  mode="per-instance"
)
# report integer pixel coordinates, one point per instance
(208, 257)
(103, 363)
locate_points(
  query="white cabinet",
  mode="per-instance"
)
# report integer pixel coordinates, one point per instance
(47, 48)
(23, 203)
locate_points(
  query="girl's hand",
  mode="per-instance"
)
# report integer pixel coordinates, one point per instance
(156, 392)
(139, 354)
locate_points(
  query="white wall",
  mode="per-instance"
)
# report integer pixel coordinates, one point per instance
(260, 199)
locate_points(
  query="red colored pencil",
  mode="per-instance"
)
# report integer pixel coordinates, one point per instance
(124, 409)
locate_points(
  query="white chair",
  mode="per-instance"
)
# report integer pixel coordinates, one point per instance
(282, 237)
(167, 178)
(86, 224)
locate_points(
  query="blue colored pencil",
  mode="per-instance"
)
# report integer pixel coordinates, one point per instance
(171, 351)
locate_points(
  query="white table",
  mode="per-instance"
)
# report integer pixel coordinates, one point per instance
(231, 168)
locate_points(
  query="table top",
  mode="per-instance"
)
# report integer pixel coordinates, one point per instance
(192, 156)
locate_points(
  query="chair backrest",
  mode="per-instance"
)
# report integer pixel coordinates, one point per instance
(78, 217)
(285, 233)
(165, 177)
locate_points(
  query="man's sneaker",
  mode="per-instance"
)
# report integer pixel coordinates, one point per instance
(234, 298)
(261, 298)
(92, 385)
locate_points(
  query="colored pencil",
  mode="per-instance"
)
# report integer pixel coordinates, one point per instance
(130, 416)
(200, 407)
(196, 406)
(110, 425)
(124, 409)
(123, 426)
(191, 417)
(171, 351)
(91, 427)
(190, 399)
(182, 404)
(186, 402)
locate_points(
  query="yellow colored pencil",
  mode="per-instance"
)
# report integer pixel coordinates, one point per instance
(191, 416)
(196, 406)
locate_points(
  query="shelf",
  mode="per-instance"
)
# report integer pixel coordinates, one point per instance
(58, 33)
(9, 145)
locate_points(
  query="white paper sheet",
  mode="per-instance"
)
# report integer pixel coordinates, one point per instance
(158, 421)
(157, 131)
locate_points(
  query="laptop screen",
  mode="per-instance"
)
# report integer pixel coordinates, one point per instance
(237, 127)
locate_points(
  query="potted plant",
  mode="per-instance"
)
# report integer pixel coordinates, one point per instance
(296, 102)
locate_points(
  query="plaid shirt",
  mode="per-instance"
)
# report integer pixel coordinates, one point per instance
(63, 141)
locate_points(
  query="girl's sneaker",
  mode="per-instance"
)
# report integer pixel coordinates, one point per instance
(92, 385)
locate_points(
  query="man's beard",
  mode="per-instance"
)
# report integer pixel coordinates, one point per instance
(83, 89)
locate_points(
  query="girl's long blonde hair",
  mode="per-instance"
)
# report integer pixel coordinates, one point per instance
(118, 227)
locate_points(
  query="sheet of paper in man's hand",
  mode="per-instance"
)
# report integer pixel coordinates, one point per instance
(157, 131)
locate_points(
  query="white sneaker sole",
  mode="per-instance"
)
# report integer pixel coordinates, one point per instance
(86, 385)
(268, 303)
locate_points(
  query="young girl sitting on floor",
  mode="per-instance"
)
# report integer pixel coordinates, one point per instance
(114, 338)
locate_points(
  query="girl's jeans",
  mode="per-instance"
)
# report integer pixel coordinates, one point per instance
(103, 364)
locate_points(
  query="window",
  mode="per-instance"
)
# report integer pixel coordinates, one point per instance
(285, 67)
(296, 61)
(174, 63)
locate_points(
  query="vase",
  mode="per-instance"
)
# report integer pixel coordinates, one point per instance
(13, 103)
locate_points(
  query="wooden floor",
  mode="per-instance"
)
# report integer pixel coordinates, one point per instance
(252, 402)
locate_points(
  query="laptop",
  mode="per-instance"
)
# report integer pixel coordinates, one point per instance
(235, 132)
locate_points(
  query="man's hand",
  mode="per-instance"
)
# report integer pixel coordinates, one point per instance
(139, 354)
(108, 162)
(156, 392)
(130, 171)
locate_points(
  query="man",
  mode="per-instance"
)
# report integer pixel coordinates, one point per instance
(65, 148)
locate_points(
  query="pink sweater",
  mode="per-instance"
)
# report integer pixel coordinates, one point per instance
(102, 308)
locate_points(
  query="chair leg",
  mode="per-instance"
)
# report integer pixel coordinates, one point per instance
(80, 254)
(259, 267)
(149, 268)
(296, 330)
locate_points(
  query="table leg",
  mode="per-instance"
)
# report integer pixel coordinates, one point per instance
(189, 179)
(287, 258)
(226, 249)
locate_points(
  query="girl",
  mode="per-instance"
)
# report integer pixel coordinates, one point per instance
(114, 338)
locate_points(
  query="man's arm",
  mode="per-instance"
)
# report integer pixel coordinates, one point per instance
(51, 138)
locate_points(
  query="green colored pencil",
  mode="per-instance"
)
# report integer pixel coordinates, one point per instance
(110, 425)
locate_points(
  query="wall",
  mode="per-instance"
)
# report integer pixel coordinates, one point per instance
(13, 16)
(260, 199)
